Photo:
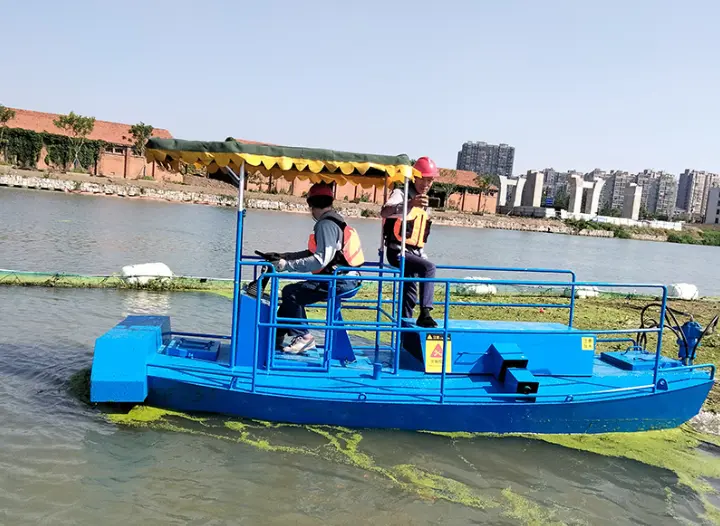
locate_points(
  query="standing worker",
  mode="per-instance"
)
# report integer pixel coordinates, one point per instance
(418, 228)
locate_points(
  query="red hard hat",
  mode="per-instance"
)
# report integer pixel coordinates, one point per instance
(319, 189)
(426, 167)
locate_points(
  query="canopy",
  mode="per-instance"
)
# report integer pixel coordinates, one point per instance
(283, 161)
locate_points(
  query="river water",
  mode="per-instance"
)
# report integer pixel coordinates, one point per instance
(46, 231)
(63, 462)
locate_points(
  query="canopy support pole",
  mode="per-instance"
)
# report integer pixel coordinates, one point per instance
(381, 257)
(396, 365)
(238, 259)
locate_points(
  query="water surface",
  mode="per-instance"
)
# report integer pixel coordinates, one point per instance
(62, 462)
(46, 231)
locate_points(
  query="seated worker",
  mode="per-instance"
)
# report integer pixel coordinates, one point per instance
(418, 229)
(333, 243)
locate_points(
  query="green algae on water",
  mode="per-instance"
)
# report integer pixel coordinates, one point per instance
(342, 445)
(672, 449)
(527, 512)
(142, 415)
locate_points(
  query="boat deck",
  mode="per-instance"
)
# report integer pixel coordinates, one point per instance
(412, 385)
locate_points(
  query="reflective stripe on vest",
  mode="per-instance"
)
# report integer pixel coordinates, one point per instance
(350, 254)
(417, 228)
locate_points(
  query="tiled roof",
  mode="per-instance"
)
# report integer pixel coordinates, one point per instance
(112, 132)
(462, 178)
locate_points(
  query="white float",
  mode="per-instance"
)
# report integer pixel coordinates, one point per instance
(479, 289)
(145, 272)
(683, 291)
(582, 291)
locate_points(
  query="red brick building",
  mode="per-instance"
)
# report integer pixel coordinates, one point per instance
(118, 159)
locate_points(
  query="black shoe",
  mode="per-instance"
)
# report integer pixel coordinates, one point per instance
(425, 320)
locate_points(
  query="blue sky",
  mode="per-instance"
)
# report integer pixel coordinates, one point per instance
(571, 84)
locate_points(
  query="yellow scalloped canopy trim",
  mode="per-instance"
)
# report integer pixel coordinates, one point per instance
(289, 167)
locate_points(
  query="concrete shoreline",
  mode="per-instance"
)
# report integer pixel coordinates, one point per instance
(222, 196)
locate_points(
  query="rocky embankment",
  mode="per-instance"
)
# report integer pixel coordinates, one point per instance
(215, 193)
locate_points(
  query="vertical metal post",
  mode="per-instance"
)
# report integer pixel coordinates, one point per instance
(381, 256)
(256, 343)
(572, 300)
(238, 259)
(329, 321)
(396, 366)
(274, 283)
(660, 337)
(445, 342)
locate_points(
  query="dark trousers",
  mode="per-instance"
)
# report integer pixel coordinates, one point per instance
(296, 296)
(416, 267)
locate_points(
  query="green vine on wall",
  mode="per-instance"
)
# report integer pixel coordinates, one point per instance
(24, 148)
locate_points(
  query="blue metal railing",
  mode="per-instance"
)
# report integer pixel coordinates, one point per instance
(381, 276)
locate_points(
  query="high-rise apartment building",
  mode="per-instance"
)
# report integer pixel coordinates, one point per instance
(667, 188)
(486, 159)
(613, 193)
(712, 207)
(659, 191)
(693, 191)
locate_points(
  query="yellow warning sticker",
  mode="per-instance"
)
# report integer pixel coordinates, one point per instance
(434, 354)
(588, 343)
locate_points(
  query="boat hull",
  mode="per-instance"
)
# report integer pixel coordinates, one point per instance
(635, 412)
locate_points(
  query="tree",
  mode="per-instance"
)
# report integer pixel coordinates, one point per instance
(6, 115)
(449, 186)
(140, 133)
(484, 186)
(79, 128)
(562, 199)
(608, 211)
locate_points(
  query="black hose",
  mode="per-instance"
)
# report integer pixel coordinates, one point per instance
(708, 330)
(671, 319)
(669, 313)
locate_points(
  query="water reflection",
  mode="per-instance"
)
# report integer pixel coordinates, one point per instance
(146, 302)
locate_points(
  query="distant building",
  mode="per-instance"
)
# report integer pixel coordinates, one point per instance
(486, 159)
(693, 190)
(659, 192)
(613, 193)
(712, 207)
(667, 188)
(118, 159)
(554, 182)
(597, 173)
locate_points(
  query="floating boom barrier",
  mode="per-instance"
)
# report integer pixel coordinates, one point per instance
(109, 281)
(24, 278)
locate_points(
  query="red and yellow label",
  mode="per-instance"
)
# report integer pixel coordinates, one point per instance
(434, 352)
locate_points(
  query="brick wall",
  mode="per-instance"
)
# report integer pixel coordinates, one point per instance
(121, 163)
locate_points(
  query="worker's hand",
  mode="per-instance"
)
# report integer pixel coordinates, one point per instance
(279, 265)
(419, 201)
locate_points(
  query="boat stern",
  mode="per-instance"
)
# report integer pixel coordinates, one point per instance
(119, 368)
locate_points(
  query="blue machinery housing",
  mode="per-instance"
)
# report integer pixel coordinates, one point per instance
(384, 371)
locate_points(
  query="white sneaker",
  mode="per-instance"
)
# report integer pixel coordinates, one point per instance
(300, 344)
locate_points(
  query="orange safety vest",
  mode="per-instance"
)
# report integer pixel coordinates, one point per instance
(417, 231)
(350, 255)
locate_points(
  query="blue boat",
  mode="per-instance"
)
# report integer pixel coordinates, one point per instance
(384, 371)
